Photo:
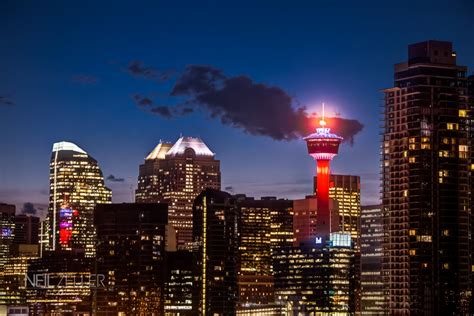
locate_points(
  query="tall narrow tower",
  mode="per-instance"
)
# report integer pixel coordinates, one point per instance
(323, 147)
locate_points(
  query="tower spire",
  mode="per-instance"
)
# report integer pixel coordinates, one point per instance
(322, 122)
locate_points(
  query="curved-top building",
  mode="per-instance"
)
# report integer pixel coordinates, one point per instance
(76, 186)
(176, 174)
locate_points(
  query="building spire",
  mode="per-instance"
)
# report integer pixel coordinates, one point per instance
(322, 122)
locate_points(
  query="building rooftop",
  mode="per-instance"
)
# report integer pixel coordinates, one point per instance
(195, 143)
(159, 152)
(59, 146)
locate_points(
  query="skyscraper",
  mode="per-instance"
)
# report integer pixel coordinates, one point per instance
(178, 295)
(176, 174)
(371, 241)
(345, 189)
(315, 279)
(7, 227)
(426, 194)
(215, 233)
(130, 256)
(259, 221)
(76, 186)
(26, 229)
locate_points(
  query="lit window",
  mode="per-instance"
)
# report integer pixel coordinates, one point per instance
(412, 232)
(412, 159)
(443, 153)
(445, 232)
(412, 252)
(452, 126)
(462, 113)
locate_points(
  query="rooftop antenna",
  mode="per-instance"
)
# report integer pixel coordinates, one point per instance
(322, 122)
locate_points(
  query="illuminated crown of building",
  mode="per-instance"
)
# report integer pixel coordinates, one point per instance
(195, 143)
(59, 146)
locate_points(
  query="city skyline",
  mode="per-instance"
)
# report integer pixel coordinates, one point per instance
(96, 83)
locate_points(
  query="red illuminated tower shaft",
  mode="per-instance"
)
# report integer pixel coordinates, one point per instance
(323, 147)
(323, 222)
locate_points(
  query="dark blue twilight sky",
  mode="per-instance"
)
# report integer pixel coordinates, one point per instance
(62, 68)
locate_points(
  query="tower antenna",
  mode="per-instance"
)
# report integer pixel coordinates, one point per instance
(322, 122)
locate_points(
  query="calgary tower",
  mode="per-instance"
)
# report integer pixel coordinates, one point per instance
(323, 147)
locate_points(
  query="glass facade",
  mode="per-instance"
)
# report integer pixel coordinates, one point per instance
(76, 181)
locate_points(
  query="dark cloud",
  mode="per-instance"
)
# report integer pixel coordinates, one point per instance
(162, 110)
(165, 111)
(112, 178)
(85, 79)
(138, 69)
(256, 108)
(229, 188)
(5, 101)
(142, 101)
(29, 208)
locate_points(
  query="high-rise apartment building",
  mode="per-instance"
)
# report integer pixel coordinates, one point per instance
(76, 187)
(470, 86)
(175, 174)
(426, 193)
(130, 257)
(371, 241)
(215, 234)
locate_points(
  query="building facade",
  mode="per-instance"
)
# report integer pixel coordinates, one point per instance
(345, 189)
(425, 191)
(215, 234)
(15, 272)
(371, 242)
(130, 257)
(264, 225)
(178, 295)
(7, 228)
(60, 283)
(76, 187)
(175, 174)
(26, 229)
(315, 279)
